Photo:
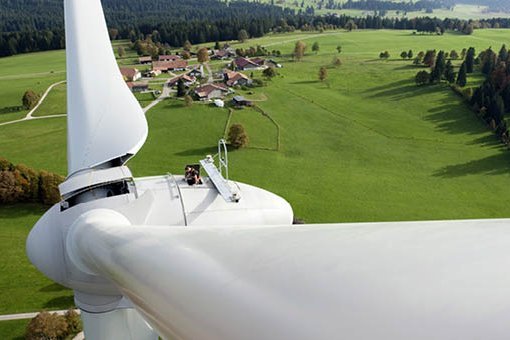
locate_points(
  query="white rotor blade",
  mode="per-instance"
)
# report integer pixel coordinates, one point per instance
(105, 122)
(411, 280)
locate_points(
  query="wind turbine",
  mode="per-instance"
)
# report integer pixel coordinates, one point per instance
(152, 256)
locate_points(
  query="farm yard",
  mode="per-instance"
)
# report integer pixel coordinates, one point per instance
(365, 144)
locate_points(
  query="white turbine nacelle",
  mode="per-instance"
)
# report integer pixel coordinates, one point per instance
(162, 200)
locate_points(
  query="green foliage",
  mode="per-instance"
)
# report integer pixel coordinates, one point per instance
(384, 55)
(46, 325)
(203, 55)
(269, 72)
(403, 55)
(188, 101)
(422, 78)
(323, 73)
(237, 136)
(22, 184)
(315, 47)
(73, 320)
(462, 75)
(121, 52)
(30, 99)
(299, 50)
(181, 88)
(336, 62)
(242, 36)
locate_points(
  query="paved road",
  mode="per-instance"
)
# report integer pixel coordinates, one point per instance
(164, 94)
(31, 112)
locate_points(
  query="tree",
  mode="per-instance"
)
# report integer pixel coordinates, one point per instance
(462, 75)
(449, 73)
(430, 58)
(351, 25)
(323, 73)
(187, 46)
(10, 190)
(203, 55)
(185, 55)
(181, 88)
(30, 99)
(384, 55)
(315, 47)
(188, 101)
(217, 45)
(422, 78)
(339, 49)
(299, 50)
(336, 62)
(242, 36)
(269, 72)
(463, 53)
(503, 53)
(403, 55)
(454, 55)
(439, 68)
(121, 52)
(237, 136)
(470, 60)
(410, 54)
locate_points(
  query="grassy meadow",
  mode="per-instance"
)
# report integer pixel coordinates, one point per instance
(367, 144)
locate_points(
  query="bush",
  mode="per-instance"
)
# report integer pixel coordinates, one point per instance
(48, 187)
(10, 190)
(74, 325)
(30, 99)
(237, 136)
(47, 326)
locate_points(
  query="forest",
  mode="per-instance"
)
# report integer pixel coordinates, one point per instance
(37, 25)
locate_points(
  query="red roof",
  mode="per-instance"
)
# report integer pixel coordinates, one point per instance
(205, 90)
(129, 73)
(168, 65)
(169, 57)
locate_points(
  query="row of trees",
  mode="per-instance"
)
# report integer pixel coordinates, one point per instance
(19, 183)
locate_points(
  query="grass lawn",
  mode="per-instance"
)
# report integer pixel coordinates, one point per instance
(13, 330)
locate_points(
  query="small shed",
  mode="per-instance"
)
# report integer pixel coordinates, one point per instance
(241, 101)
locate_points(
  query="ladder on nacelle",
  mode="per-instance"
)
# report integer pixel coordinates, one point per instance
(224, 187)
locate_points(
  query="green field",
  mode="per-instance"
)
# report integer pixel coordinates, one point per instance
(460, 11)
(365, 145)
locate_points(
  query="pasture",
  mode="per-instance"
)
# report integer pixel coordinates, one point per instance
(367, 144)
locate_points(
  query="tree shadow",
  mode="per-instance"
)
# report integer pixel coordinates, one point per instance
(10, 109)
(54, 287)
(448, 118)
(202, 152)
(304, 82)
(61, 302)
(492, 165)
(386, 86)
(402, 92)
(488, 140)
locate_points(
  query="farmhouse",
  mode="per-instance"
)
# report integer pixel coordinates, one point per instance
(211, 91)
(169, 57)
(197, 71)
(145, 60)
(188, 80)
(138, 87)
(165, 66)
(130, 74)
(242, 63)
(233, 78)
(222, 54)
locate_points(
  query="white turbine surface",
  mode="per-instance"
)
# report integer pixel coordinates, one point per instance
(409, 280)
(105, 121)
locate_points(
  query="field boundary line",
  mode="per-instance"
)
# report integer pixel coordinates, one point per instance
(275, 123)
(227, 124)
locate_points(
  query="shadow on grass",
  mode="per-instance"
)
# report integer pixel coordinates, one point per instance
(492, 165)
(452, 118)
(201, 152)
(402, 92)
(388, 86)
(304, 82)
(61, 302)
(22, 209)
(54, 287)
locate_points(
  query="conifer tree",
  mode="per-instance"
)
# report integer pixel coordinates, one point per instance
(462, 77)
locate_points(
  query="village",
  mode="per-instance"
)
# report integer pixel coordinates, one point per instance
(169, 76)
